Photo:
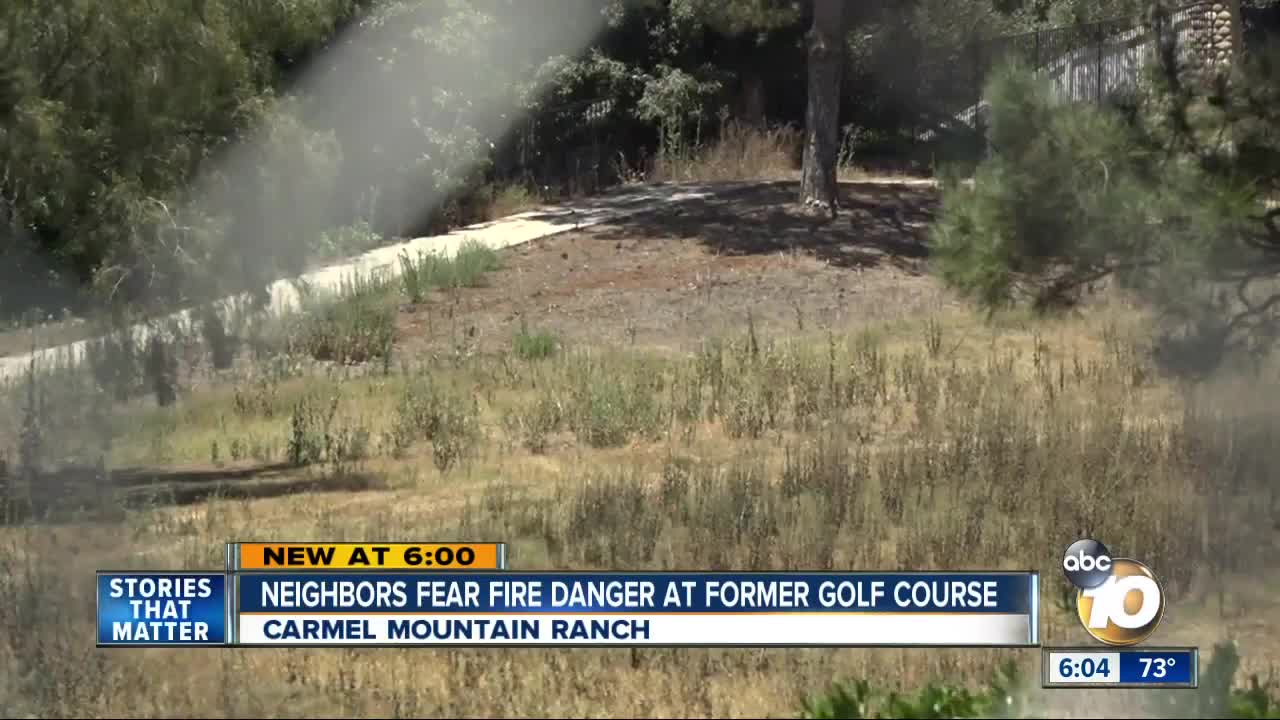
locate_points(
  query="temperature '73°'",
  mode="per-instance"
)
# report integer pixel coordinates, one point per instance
(1156, 667)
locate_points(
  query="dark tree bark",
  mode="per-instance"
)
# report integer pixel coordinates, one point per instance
(822, 118)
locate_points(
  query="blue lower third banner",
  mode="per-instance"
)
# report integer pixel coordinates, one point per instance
(638, 609)
(162, 608)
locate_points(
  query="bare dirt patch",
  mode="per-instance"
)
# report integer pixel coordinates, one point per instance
(672, 277)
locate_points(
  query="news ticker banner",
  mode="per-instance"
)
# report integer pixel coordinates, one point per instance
(1090, 667)
(274, 596)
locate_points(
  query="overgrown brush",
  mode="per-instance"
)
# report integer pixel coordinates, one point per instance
(443, 417)
(429, 271)
(611, 404)
(534, 344)
(740, 152)
(356, 325)
(318, 435)
(534, 423)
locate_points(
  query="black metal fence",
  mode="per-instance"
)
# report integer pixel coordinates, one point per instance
(1091, 62)
(577, 147)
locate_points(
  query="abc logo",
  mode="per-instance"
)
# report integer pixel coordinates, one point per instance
(1119, 601)
(1087, 563)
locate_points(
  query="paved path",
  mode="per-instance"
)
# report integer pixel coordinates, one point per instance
(501, 233)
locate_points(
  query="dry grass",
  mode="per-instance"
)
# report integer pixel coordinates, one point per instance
(510, 200)
(741, 152)
(931, 443)
(852, 172)
(745, 152)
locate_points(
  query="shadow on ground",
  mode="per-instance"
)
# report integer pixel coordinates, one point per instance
(621, 201)
(84, 492)
(878, 222)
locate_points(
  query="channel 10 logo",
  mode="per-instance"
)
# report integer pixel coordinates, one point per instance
(1119, 600)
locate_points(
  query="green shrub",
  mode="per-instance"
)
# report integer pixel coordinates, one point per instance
(610, 408)
(419, 414)
(429, 271)
(535, 422)
(534, 345)
(444, 418)
(356, 326)
(455, 438)
(306, 423)
(415, 276)
(473, 260)
(511, 199)
(317, 436)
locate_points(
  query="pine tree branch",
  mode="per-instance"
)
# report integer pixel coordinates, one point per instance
(1055, 289)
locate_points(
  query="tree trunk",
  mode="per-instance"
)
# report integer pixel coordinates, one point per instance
(822, 118)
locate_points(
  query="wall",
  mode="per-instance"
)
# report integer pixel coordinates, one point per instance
(1217, 33)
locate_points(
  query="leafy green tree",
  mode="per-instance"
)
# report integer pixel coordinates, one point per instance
(111, 110)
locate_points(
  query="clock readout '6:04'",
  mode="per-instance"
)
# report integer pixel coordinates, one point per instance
(1084, 667)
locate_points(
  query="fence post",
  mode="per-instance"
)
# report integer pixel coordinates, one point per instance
(1036, 62)
(1098, 72)
(1158, 44)
(980, 137)
(1071, 74)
